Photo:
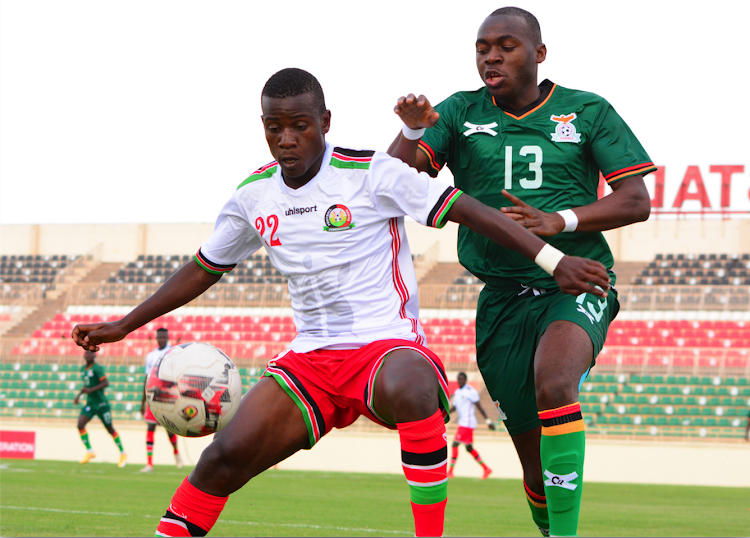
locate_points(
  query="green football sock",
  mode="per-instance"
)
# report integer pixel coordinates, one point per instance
(562, 450)
(85, 438)
(116, 437)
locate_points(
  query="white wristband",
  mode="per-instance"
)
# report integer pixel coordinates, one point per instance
(488, 421)
(412, 134)
(570, 218)
(548, 258)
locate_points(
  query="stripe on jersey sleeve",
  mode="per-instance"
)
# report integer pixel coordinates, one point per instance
(211, 267)
(261, 173)
(431, 159)
(436, 219)
(643, 169)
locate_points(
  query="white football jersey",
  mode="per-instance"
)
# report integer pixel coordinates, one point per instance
(153, 356)
(340, 242)
(465, 400)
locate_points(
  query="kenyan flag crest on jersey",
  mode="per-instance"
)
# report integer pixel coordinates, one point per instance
(338, 218)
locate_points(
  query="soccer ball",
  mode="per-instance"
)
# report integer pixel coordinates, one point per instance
(194, 389)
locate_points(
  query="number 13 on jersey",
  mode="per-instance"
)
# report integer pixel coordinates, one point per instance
(535, 166)
(273, 224)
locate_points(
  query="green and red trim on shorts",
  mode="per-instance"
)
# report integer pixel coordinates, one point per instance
(369, 395)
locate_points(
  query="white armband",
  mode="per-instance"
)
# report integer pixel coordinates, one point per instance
(548, 258)
(412, 134)
(570, 218)
(488, 421)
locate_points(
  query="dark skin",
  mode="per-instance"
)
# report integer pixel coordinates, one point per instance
(90, 358)
(461, 382)
(269, 427)
(508, 57)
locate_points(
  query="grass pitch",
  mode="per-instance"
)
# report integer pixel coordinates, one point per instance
(48, 498)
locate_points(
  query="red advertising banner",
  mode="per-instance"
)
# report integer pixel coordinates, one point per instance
(18, 445)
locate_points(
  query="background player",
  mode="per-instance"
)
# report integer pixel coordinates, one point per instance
(464, 401)
(162, 340)
(97, 404)
(547, 144)
(353, 290)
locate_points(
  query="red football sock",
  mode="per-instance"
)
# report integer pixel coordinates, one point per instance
(454, 456)
(477, 457)
(191, 512)
(424, 456)
(173, 440)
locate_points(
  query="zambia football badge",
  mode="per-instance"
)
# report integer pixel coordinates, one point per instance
(338, 218)
(565, 130)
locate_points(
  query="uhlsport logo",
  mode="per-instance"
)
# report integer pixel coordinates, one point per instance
(338, 218)
(474, 129)
(189, 412)
(564, 481)
(565, 131)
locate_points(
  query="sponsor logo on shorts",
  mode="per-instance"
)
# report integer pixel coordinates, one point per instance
(300, 210)
(474, 129)
(503, 416)
(561, 480)
(338, 218)
(565, 131)
(595, 311)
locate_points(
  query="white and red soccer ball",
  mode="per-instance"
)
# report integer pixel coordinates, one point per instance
(194, 389)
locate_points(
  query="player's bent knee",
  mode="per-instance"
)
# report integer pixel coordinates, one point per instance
(469, 448)
(407, 387)
(555, 392)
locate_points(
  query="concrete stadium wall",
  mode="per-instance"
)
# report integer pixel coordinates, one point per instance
(124, 242)
(642, 462)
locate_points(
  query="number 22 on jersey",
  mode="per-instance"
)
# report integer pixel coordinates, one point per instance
(273, 224)
(535, 166)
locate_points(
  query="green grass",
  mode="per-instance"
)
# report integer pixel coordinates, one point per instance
(46, 498)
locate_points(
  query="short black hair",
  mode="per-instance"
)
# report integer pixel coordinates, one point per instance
(461, 374)
(536, 31)
(162, 330)
(291, 82)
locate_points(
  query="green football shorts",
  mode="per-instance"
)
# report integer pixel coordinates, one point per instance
(101, 410)
(510, 322)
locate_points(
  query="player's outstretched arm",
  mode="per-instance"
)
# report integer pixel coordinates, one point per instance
(487, 419)
(574, 275)
(185, 285)
(416, 113)
(628, 203)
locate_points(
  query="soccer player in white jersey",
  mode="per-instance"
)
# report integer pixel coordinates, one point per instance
(332, 222)
(162, 340)
(465, 400)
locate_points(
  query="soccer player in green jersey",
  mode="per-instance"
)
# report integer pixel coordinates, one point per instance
(97, 404)
(534, 151)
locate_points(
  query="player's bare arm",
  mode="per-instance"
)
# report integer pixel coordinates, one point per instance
(185, 285)
(628, 203)
(416, 113)
(573, 275)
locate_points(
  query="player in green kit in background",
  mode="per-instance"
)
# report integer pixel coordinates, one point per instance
(535, 152)
(97, 404)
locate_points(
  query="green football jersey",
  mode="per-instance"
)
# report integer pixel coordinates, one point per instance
(91, 378)
(549, 155)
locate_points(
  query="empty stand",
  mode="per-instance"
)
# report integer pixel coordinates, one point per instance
(32, 269)
(701, 270)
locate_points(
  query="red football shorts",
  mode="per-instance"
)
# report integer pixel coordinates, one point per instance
(148, 416)
(333, 388)
(464, 435)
